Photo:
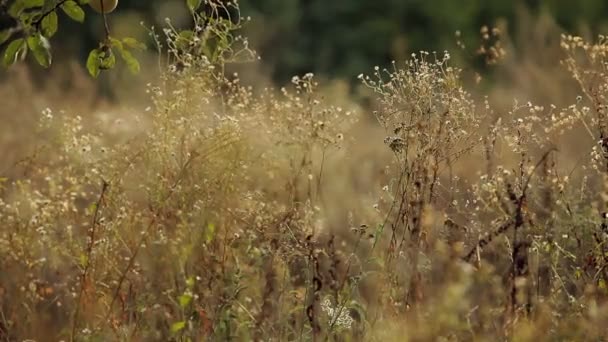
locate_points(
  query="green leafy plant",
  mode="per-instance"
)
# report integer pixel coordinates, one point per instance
(227, 210)
(37, 21)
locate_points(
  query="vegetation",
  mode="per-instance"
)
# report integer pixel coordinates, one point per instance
(336, 40)
(229, 211)
(38, 20)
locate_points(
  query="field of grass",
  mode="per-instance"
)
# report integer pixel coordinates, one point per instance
(227, 210)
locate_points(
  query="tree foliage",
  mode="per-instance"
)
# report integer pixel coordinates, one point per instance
(35, 22)
(339, 38)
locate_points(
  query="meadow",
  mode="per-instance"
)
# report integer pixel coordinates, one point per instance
(222, 208)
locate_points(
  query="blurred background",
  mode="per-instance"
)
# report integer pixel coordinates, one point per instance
(337, 40)
(343, 38)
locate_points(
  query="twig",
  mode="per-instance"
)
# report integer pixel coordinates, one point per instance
(89, 254)
(155, 216)
(487, 239)
(105, 21)
(518, 213)
(38, 21)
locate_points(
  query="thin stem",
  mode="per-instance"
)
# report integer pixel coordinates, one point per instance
(89, 255)
(144, 236)
(105, 22)
(38, 21)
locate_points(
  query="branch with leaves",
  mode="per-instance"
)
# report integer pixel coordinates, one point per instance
(37, 21)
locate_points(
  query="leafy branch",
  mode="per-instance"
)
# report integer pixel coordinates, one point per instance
(38, 20)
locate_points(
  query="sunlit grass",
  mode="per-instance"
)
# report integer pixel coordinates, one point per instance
(229, 211)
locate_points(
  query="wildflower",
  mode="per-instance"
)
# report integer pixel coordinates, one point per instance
(340, 318)
(47, 114)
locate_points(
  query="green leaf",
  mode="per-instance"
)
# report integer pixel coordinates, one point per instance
(115, 42)
(12, 52)
(133, 43)
(31, 3)
(210, 232)
(5, 35)
(49, 24)
(93, 62)
(194, 4)
(178, 326)
(84, 260)
(100, 59)
(184, 300)
(131, 61)
(73, 10)
(107, 58)
(41, 48)
(91, 208)
(183, 39)
(20, 5)
(189, 281)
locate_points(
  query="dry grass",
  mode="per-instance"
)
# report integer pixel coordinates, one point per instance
(226, 211)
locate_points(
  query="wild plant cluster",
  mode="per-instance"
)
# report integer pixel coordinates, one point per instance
(213, 214)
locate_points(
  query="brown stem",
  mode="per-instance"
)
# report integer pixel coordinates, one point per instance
(89, 254)
(144, 236)
(38, 21)
(105, 22)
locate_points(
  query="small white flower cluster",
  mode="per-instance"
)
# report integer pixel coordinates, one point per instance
(46, 118)
(337, 316)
